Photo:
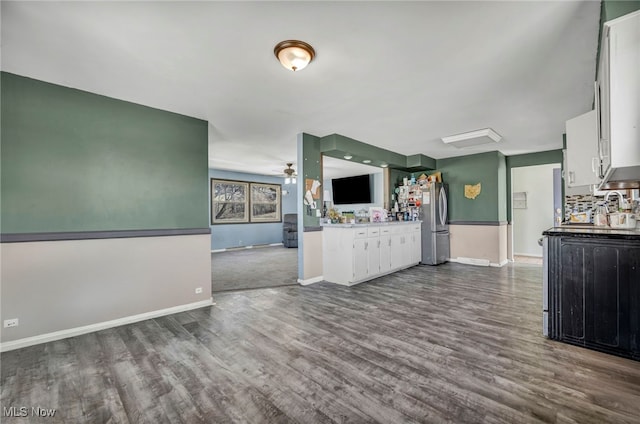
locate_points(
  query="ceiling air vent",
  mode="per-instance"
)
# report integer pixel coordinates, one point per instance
(472, 138)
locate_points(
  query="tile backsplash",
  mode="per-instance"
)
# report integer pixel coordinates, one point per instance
(584, 202)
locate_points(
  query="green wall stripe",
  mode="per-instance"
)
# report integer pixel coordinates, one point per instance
(92, 235)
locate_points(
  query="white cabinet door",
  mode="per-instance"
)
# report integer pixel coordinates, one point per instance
(602, 105)
(397, 249)
(408, 246)
(373, 256)
(582, 151)
(385, 251)
(416, 245)
(572, 191)
(338, 254)
(360, 258)
(618, 98)
(624, 92)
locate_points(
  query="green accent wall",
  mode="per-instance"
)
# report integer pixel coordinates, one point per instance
(336, 146)
(615, 9)
(491, 169)
(481, 168)
(420, 163)
(503, 194)
(532, 159)
(77, 161)
(311, 169)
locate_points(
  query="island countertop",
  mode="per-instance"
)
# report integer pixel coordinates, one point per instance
(591, 231)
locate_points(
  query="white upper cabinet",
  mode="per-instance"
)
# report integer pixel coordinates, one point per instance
(582, 151)
(618, 99)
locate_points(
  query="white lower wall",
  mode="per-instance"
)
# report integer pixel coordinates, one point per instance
(59, 285)
(312, 256)
(482, 243)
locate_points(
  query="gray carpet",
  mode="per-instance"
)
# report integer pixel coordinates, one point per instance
(254, 268)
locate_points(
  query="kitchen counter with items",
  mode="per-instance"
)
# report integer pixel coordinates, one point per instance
(353, 253)
(591, 288)
(369, 224)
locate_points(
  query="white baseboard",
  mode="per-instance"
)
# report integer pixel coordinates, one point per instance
(528, 255)
(478, 262)
(471, 261)
(253, 246)
(310, 280)
(72, 332)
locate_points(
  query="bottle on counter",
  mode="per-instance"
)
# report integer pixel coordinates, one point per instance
(600, 218)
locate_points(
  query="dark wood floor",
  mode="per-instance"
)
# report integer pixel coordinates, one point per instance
(452, 343)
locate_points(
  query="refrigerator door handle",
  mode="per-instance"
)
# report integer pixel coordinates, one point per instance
(442, 207)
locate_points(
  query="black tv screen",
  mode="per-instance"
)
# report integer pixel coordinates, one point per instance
(351, 190)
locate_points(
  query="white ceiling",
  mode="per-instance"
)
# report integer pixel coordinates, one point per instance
(397, 75)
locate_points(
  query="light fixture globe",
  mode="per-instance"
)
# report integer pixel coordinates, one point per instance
(294, 54)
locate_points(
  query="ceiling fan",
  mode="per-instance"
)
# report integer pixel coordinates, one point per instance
(290, 174)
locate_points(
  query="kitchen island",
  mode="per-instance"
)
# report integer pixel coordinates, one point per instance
(591, 292)
(354, 253)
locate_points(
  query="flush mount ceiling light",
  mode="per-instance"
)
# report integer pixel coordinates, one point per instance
(472, 138)
(348, 157)
(294, 54)
(383, 165)
(366, 161)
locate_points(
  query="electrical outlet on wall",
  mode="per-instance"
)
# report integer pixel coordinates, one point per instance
(10, 323)
(198, 290)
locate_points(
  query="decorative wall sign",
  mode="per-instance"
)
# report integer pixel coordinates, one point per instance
(472, 191)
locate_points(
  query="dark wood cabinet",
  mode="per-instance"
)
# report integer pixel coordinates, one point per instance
(594, 293)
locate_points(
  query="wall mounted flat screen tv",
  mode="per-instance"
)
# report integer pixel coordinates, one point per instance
(351, 190)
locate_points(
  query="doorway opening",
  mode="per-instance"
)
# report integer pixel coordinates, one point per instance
(533, 209)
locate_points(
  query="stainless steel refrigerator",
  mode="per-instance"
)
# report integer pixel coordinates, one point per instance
(435, 225)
